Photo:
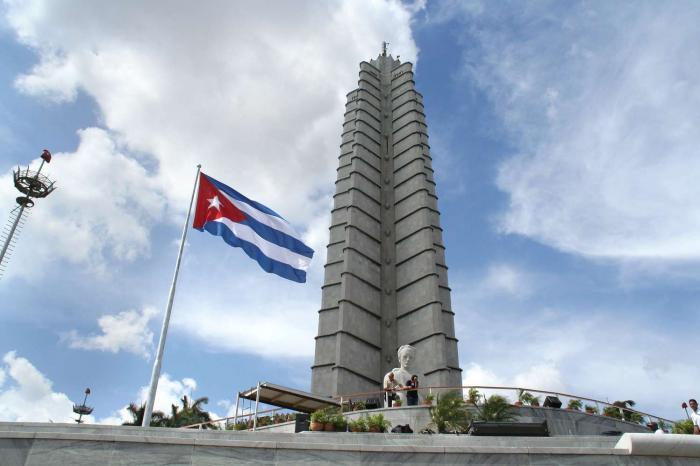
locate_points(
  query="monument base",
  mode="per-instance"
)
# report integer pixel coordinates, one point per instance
(559, 421)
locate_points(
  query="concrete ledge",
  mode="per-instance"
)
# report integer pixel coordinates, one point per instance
(675, 445)
(25, 444)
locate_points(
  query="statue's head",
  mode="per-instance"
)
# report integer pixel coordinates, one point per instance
(406, 355)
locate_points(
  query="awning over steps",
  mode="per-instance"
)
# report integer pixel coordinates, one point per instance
(290, 398)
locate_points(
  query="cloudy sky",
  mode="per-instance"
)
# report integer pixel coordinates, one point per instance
(565, 138)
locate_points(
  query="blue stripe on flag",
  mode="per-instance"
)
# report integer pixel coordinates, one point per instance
(277, 237)
(236, 195)
(267, 264)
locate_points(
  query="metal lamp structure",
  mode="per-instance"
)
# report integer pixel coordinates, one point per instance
(32, 185)
(82, 409)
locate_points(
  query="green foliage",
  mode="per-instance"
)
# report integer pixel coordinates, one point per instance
(240, 425)
(378, 422)
(325, 415)
(339, 422)
(612, 411)
(449, 414)
(574, 405)
(358, 425)
(495, 408)
(190, 413)
(359, 406)
(590, 409)
(473, 396)
(158, 419)
(626, 415)
(528, 398)
(430, 398)
(683, 427)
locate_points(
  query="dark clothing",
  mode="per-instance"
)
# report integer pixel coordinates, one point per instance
(412, 395)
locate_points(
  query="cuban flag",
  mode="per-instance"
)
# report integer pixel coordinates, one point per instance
(262, 233)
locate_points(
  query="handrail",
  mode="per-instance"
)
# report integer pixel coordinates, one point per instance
(246, 415)
(380, 393)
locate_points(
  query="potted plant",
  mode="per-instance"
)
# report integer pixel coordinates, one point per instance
(590, 409)
(358, 425)
(329, 426)
(612, 411)
(318, 420)
(377, 423)
(527, 398)
(428, 400)
(397, 403)
(574, 405)
(340, 423)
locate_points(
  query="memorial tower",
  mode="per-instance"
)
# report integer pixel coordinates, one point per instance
(385, 279)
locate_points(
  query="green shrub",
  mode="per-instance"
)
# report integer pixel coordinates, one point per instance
(683, 427)
(358, 425)
(449, 414)
(495, 408)
(574, 405)
(377, 421)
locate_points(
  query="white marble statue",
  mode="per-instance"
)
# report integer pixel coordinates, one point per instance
(402, 375)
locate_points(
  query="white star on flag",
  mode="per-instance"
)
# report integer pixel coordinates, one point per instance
(214, 202)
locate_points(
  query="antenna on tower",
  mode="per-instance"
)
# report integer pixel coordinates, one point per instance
(384, 47)
(32, 185)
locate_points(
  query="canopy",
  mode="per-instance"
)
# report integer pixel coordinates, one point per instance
(290, 398)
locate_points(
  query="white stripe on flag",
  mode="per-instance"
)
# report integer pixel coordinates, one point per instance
(271, 250)
(266, 219)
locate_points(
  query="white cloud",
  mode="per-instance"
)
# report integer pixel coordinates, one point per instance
(254, 93)
(586, 352)
(603, 118)
(245, 319)
(100, 211)
(170, 392)
(29, 395)
(506, 279)
(126, 331)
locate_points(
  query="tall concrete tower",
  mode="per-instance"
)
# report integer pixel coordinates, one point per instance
(385, 278)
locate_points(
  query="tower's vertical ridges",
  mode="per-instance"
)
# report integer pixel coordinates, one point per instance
(385, 280)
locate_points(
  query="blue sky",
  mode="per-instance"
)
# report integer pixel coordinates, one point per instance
(565, 142)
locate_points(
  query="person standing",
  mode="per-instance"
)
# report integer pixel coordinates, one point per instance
(390, 387)
(694, 415)
(412, 393)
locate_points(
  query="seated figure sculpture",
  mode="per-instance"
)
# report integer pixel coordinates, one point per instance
(402, 374)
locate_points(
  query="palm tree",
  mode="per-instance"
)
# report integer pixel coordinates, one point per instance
(158, 419)
(449, 414)
(495, 408)
(627, 415)
(191, 413)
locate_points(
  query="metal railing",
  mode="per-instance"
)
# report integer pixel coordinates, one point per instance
(380, 396)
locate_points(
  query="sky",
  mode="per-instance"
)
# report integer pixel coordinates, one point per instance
(565, 145)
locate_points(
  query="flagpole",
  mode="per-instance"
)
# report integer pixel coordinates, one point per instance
(148, 411)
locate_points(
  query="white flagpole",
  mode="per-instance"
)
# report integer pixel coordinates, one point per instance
(166, 320)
